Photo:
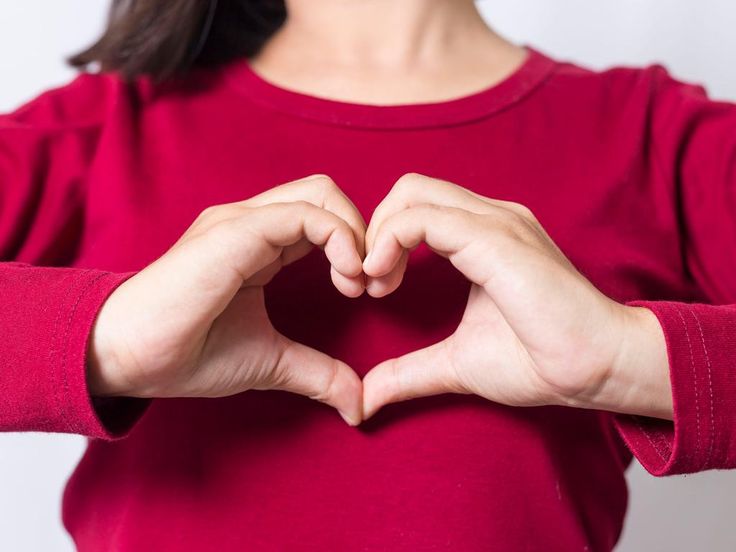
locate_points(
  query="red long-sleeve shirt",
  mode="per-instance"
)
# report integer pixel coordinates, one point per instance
(632, 172)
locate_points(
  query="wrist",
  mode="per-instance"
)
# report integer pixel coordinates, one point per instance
(104, 375)
(638, 381)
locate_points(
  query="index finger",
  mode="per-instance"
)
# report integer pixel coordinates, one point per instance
(414, 189)
(451, 232)
(319, 190)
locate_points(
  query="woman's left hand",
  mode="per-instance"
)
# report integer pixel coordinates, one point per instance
(535, 331)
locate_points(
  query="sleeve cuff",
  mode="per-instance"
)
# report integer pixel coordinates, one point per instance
(47, 319)
(103, 418)
(701, 348)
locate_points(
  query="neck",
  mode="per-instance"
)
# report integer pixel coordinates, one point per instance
(380, 32)
(385, 51)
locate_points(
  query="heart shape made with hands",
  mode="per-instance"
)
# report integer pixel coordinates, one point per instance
(534, 330)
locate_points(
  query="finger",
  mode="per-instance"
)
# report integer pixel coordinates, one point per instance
(296, 251)
(278, 225)
(381, 286)
(348, 286)
(321, 191)
(421, 373)
(411, 190)
(311, 373)
(447, 230)
(415, 189)
(290, 254)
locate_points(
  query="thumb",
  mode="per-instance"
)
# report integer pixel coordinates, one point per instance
(421, 373)
(306, 371)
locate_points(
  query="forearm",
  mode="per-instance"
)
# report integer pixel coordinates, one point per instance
(46, 316)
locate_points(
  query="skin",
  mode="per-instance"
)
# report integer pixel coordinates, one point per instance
(535, 331)
(204, 331)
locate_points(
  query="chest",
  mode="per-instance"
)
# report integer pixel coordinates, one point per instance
(143, 197)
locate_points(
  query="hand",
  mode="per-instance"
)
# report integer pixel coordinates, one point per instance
(534, 332)
(193, 323)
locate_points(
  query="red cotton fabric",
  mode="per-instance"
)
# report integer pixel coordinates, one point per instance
(632, 172)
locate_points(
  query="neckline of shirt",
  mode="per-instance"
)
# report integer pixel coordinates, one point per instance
(525, 78)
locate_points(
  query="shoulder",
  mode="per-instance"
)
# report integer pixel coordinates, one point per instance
(614, 102)
(90, 100)
(648, 86)
(62, 126)
(85, 102)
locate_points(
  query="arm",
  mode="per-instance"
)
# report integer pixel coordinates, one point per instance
(47, 310)
(71, 334)
(700, 346)
(693, 138)
(47, 315)
(536, 332)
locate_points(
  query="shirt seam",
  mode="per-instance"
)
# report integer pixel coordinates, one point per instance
(710, 392)
(408, 127)
(695, 383)
(72, 313)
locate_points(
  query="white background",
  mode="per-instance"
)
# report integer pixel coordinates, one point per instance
(694, 39)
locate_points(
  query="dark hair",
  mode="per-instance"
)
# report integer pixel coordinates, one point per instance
(164, 38)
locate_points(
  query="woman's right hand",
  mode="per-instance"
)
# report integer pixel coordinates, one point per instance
(194, 324)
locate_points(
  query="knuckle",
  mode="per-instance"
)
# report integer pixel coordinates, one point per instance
(323, 183)
(525, 225)
(207, 213)
(408, 181)
(510, 216)
(283, 370)
(326, 182)
(524, 212)
(301, 205)
(397, 376)
(327, 387)
(279, 375)
(318, 178)
(327, 189)
(412, 176)
(517, 212)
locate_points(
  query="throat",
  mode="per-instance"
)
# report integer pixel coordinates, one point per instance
(423, 51)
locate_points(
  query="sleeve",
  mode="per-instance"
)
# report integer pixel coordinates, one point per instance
(693, 143)
(47, 308)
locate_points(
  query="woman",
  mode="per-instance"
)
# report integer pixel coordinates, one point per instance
(495, 229)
